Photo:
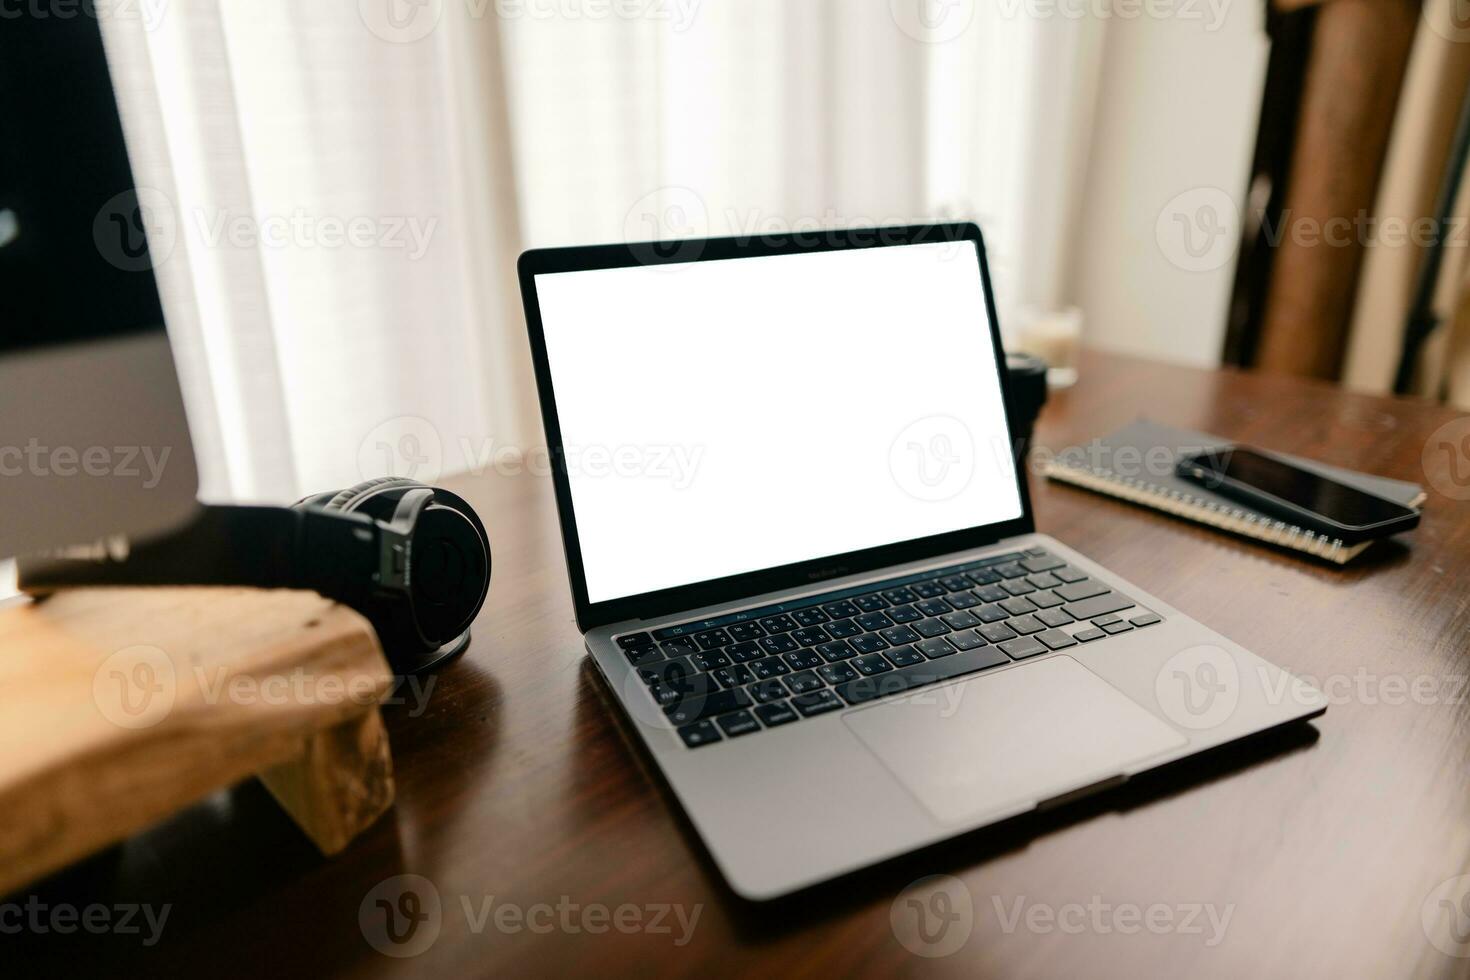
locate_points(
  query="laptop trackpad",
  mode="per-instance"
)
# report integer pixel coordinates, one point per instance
(1009, 739)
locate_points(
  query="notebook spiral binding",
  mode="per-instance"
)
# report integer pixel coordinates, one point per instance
(1204, 511)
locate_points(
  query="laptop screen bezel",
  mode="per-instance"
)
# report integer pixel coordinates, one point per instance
(697, 595)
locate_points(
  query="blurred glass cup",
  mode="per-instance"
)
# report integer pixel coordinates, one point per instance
(1054, 336)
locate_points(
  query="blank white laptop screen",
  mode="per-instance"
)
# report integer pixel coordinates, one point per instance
(730, 416)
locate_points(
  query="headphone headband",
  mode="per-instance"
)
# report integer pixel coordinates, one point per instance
(418, 565)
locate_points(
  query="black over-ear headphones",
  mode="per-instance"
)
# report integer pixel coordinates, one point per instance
(413, 559)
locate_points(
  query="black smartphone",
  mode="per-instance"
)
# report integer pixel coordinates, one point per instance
(1297, 496)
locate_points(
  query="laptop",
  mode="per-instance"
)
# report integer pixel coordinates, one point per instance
(802, 554)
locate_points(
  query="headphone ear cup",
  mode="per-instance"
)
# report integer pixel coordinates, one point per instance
(449, 565)
(347, 500)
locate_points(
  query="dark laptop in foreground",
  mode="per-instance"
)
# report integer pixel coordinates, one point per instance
(802, 553)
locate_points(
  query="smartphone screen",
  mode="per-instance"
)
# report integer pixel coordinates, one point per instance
(1336, 502)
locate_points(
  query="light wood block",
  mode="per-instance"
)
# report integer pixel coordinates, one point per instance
(123, 706)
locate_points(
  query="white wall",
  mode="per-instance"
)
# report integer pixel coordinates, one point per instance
(1177, 115)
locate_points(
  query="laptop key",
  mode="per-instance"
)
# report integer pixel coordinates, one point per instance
(834, 652)
(960, 620)
(1012, 570)
(742, 632)
(710, 660)
(643, 656)
(699, 705)
(904, 614)
(764, 692)
(1085, 589)
(1046, 580)
(635, 641)
(670, 673)
(1056, 639)
(838, 673)
(928, 590)
(1020, 649)
(933, 607)
(868, 643)
(1110, 602)
(871, 664)
(843, 628)
(1026, 625)
(992, 614)
(778, 624)
(1069, 574)
(810, 636)
(931, 672)
(1089, 634)
(1035, 552)
(680, 648)
(1054, 617)
(744, 653)
(966, 640)
(778, 644)
(997, 632)
(1017, 606)
(984, 577)
(810, 617)
(932, 650)
(803, 659)
(955, 583)
(736, 675)
(776, 713)
(899, 596)
(992, 593)
(1045, 599)
(817, 703)
(962, 600)
(843, 609)
(931, 627)
(1147, 619)
(1018, 587)
(739, 723)
(872, 622)
(1106, 620)
(906, 656)
(804, 682)
(768, 668)
(666, 696)
(1041, 563)
(699, 733)
(713, 639)
(871, 603)
(898, 635)
(1113, 629)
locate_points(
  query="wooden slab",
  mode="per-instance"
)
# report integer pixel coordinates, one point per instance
(123, 706)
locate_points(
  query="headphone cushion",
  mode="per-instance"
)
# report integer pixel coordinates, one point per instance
(347, 500)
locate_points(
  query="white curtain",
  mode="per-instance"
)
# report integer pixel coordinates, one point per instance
(343, 185)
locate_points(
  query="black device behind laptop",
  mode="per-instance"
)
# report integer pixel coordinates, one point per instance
(1306, 499)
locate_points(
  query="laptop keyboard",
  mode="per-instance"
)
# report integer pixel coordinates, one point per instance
(745, 672)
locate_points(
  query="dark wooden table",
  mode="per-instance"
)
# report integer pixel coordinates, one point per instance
(1323, 846)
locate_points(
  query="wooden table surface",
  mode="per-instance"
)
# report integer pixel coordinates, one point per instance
(1316, 852)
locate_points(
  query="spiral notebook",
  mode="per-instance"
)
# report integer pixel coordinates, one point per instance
(1137, 464)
